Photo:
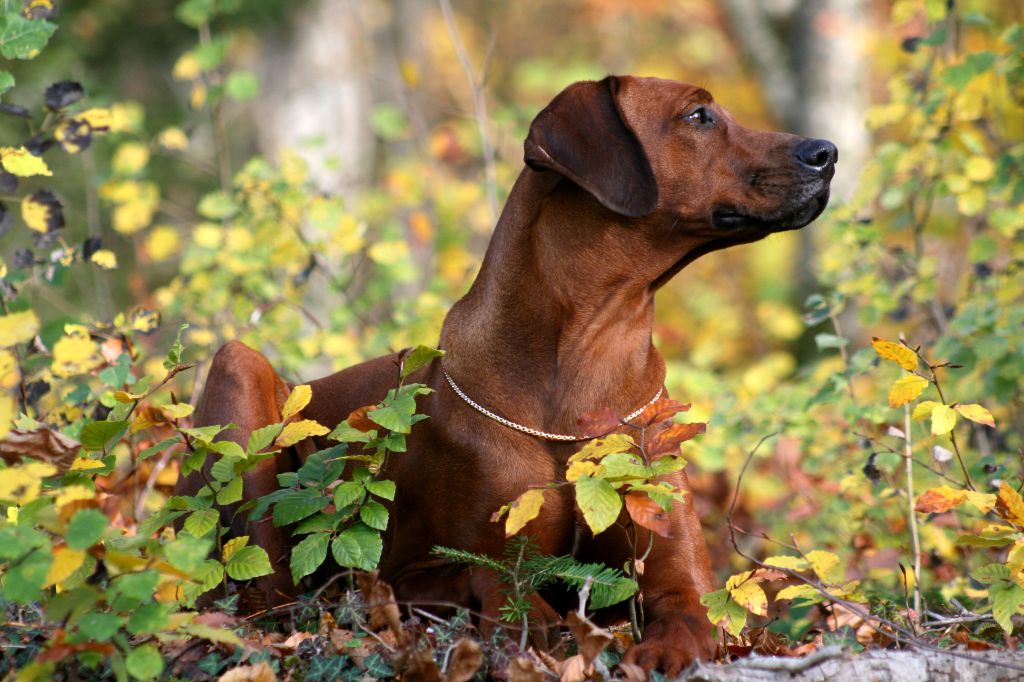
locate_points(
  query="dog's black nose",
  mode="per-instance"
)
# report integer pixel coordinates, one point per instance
(816, 154)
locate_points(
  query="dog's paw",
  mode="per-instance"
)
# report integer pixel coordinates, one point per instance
(671, 644)
(544, 625)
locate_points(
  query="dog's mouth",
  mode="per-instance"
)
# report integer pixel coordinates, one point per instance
(731, 220)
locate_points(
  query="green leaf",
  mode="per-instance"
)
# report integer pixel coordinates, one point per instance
(1007, 598)
(598, 501)
(295, 505)
(308, 555)
(418, 357)
(194, 13)
(201, 522)
(348, 492)
(174, 354)
(242, 85)
(396, 413)
(135, 588)
(217, 206)
(86, 528)
(97, 626)
(98, 435)
(230, 493)
(388, 122)
(247, 563)
(144, 662)
(6, 81)
(23, 581)
(346, 434)
(223, 470)
(208, 574)
(22, 38)
(357, 547)
(721, 607)
(158, 448)
(148, 619)
(382, 489)
(374, 514)
(318, 522)
(261, 438)
(187, 553)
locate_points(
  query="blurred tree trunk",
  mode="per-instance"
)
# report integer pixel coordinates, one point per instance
(808, 57)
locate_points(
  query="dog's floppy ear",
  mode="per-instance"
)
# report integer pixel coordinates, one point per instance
(583, 136)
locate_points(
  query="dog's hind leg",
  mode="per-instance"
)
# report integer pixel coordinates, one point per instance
(243, 389)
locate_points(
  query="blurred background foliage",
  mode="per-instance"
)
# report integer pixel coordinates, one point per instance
(319, 179)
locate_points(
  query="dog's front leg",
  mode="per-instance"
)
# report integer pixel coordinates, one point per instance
(491, 593)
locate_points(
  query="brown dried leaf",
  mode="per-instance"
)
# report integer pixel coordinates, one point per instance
(45, 444)
(659, 411)
(599, 422)
(358, 420)
(249, 673)
(668, 440)
(295, 639)
(421, 667)
(524, 670)
(380, 600)
(590, 639)
(647, 513)
(573, 669)
(939, 500)
(466, 659)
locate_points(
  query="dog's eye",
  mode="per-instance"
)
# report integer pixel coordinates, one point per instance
(699, 116)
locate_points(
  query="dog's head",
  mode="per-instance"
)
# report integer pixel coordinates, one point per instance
(647, 147)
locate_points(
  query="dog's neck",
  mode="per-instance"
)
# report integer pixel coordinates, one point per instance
(558, 321)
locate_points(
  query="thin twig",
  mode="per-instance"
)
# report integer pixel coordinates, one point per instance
(911, 514)
(479, 107)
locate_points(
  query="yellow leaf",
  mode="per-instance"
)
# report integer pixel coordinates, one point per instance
(1011, 505)
(523, 510)
(939, 500)
(906, 389)
(176, 410)
(130, 158)
(233, 545)
(7, 412)
(943, 419)
(65, 562)
(299, 431)
(976, 413)
(582, 468)
(797, 592)
(105, 258)
(132, 216)
(173, 139)
(923, 409)
(297, 400)
(599, 447)
(73, 493)
(162, 243)
(98, 118)
(971, 202)
(186, 68)
(979, 168)
(826, 566)
(75, 353)
(389, 252)
(747, 593)
(23, 163)
(898, 353)
(18, 328)
(983, 501)
(197, 98)
(85, 464)
(793, 563)
(42, 212)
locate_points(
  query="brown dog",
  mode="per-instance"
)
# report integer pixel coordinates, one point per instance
(627, 181)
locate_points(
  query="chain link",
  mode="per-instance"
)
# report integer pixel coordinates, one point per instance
(526, 429)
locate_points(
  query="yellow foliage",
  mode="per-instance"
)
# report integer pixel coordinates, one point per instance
(905, 389)
(130, 158)
(745, 591)
(65, 562)
(105, 258)
(18, 327)
(896, 352)
(297, 400)
(75, 353)
(523, 510)
(20, 484)
(173, 139)
(162, 242)
(21, 162)
(186, 68)
(300, 431)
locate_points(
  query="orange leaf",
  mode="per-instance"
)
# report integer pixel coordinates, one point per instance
(358, 420)
(938, 500)
(599, 423)
(898, 353)
(976, 413)
(647, 513)
(1010, 505)
(659, 411)
(669, 440)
